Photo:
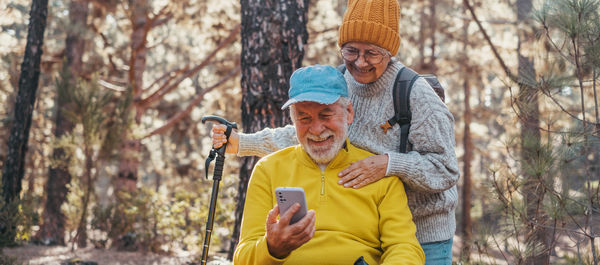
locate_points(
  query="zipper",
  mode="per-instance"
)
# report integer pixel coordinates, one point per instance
(322, 182)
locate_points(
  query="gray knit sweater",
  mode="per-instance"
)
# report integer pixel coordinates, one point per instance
(429, 171)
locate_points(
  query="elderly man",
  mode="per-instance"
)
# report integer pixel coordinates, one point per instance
(344, 225)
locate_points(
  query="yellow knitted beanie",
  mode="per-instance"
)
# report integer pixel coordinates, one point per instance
(372, 21)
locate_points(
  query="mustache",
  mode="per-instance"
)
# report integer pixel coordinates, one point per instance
(321, 137)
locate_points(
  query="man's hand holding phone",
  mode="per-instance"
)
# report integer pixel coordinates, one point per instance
(283, 237)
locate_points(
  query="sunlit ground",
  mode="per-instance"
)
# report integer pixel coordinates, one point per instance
(33, 254)
(55, 255)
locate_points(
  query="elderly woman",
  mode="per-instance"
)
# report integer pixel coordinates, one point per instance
(369, 39)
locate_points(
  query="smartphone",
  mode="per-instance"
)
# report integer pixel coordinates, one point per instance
(286, 197)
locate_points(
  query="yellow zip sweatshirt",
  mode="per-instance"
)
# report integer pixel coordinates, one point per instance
(374, 221)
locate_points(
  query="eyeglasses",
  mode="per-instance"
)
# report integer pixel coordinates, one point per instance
(372, 57)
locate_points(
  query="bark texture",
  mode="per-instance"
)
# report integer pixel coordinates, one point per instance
(14, 166)
(13, 171)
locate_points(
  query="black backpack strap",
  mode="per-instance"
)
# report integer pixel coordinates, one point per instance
(405, 79)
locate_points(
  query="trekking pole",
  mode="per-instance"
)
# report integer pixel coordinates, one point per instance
(218, 172)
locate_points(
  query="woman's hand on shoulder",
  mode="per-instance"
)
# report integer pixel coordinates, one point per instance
(364, 172)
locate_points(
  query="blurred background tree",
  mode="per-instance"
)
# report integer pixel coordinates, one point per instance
(14, 166)
(53, 226)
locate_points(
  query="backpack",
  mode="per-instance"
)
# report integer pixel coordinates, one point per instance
(405, 79)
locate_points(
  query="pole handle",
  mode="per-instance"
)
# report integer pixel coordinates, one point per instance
(230, 127)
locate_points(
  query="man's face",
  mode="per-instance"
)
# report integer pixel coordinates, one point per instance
(322, 129)
(370, 63)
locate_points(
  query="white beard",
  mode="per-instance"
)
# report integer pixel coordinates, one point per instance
(324, 154)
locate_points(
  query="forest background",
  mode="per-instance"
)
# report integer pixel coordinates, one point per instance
(115, 152)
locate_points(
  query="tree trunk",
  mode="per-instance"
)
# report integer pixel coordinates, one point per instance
(528, 105)
(467, 223)
(53, 227)
(28, 82)
(14, 168)
(433, 29)
(273, 37)
(130, 148)
(127, 176)
(422, 28)
(532, 189)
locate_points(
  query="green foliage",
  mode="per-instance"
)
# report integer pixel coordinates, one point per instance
(7, 260)
(153, 221)
(542, 187)
(69, 143)
(162, 220)
(579, 257)
(120, 120)
(28, 215)
(9, 217)
(17, 220)
(572, 28)
(541, 159)
(553, 165)
(97, 114)
(72, 208)
(571, 260)
(89, 106)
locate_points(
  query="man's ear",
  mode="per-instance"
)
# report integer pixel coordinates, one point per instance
(350, 110)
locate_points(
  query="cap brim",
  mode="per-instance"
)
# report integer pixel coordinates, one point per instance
(321, 98)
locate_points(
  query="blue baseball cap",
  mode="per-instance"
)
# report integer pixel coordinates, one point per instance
(318, 83)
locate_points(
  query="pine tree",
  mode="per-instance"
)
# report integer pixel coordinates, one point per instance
(14, 167)
(550, 151)
(571, 30)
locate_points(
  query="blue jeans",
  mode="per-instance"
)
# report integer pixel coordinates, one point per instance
(438, 253)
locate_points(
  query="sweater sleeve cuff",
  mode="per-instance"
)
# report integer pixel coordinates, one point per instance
(398, 164)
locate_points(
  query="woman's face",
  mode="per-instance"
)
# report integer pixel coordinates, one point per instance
(365, 62)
